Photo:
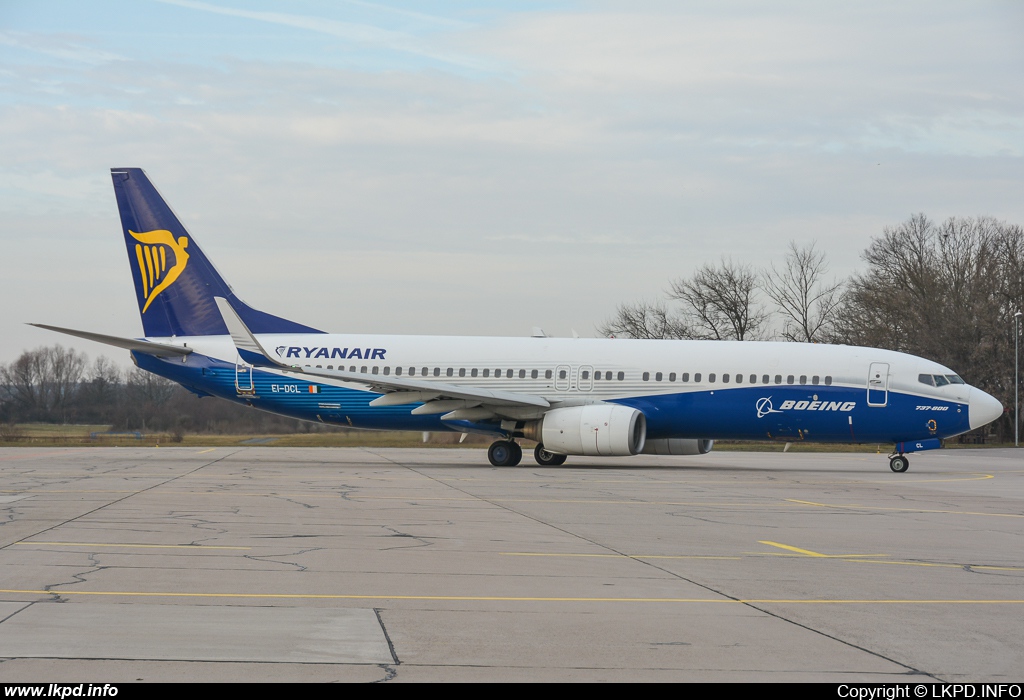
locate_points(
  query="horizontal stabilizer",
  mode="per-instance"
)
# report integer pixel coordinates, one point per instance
(146, 346)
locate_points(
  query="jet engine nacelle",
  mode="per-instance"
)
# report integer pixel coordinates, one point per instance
(604, 430)
(673, 446)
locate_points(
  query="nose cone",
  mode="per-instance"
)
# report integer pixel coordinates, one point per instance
(983, 409)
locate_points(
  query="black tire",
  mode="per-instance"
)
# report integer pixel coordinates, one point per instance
(498, 453)
(504, 453)
(547, 459)
(899, 464)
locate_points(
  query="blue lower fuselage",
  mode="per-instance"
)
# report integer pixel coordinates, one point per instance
(817, 413)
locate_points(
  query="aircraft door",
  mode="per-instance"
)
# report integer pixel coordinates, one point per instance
(562, 374)
(586, 378)
(243, 377)
(878, 384)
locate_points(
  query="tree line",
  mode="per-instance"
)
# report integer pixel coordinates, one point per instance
(945, 291)
(60, 385)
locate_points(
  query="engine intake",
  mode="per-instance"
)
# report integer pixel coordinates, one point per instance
(605, 430)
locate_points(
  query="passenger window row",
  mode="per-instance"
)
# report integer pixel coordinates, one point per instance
(599, 375)
(448, 372)
(739, 378)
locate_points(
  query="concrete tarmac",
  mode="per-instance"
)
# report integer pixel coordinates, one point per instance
(310, 564)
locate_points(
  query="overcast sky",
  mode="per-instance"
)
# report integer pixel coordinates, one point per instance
(424, 167)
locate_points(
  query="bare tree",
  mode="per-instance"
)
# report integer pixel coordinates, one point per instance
(808, 303)
(101, 395)
(42, 384)
(66, 369)
(145, 395)
(644, 320)
(945, 291)
(23, 384)
(720, 302)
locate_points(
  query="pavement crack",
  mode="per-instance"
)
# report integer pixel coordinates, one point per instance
(389, 673)
(387, 638)
(273, 558)
(397, 533)
(124, 498)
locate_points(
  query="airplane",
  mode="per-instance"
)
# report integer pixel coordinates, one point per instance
(572, 396)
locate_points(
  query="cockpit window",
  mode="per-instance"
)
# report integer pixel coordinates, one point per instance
(940, 379)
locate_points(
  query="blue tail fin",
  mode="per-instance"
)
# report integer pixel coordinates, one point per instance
(175, 283)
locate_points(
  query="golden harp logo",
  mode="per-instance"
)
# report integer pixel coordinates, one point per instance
(151, 252)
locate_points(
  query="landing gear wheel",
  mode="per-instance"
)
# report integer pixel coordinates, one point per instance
(504, 453)
(517, 454)
(547, 459)
(899, 464)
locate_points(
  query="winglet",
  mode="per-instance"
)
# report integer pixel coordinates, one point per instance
(249, 349)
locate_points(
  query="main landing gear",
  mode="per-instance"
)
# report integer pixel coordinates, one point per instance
(508, 453)
(505, 453)
(899, 463)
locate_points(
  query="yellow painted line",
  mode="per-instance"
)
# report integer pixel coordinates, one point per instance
(710, 480)
(800, 556)
(775, 504)
(141, 546)
(854, 506)
(804, 552)
(909, 482)
(868, 559)
(795, 480)
(615, 556)
(528, 599)
(864, 559)
(797, 553)
(172, 490)
(944, 566)
(43, 493)
(205, 451)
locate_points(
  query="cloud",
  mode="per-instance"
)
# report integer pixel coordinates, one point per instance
(617, 150)
(59, 47)
(410, 14)
(349, 31)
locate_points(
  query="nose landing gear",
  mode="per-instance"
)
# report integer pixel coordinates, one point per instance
(899, 463)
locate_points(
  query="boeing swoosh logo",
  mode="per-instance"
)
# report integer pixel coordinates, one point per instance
(764, 407)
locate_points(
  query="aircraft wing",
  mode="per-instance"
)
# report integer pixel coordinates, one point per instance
(396, 390)
(146, 346)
